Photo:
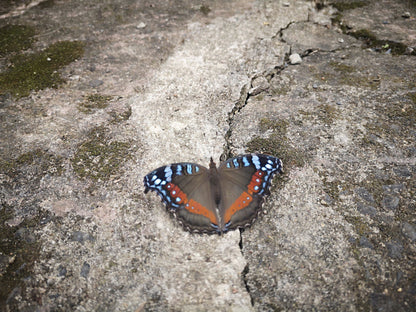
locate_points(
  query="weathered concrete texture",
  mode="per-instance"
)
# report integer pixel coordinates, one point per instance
(305, 37)
(357, 185)
(393, 20)
(162, 82)
(186, 107)
(351, 115)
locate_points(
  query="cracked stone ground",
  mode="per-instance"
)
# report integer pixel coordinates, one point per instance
(94, 95)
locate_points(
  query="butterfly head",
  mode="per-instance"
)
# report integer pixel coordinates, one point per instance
(212, 164)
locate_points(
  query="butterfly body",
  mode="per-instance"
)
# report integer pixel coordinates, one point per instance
(215, 200)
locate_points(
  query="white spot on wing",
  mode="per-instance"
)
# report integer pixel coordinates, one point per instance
(256, 161)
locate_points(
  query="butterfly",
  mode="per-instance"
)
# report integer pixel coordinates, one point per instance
(215, 200)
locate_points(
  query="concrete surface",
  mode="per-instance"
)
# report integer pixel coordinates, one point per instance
(187, 80)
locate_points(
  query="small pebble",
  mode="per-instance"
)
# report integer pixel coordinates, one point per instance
(81, 237)
(364, 194)
(390, 202)
(286, 4)
(393, 188)
(340, 40)
(85, 270)
(141, 25)
(367, 210)
(62, 271)
(403, 172)
(364, 242)
(295, 59)
(409, 231)
(394, 250)
(406, 15)
(409, 50)
(315, 86)
(96, 83)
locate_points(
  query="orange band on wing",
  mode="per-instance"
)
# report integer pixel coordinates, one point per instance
(241, 202)
(256, 180)
(246, 197)
(175, 193)
(195, 207)
(191, 205)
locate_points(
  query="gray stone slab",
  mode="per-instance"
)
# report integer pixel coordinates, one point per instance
(184, 81)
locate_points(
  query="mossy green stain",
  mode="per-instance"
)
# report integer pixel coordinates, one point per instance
(45, 162)
(371, 41)
(325, 113)
(22, 253)
(47, 4)
(277, 143)
(339, 73)
(14, 38)
(364, 34)
(340, 67)
(38, 71)
(360, 226)
(350, 5)
(119, 117)
(99, 158)
(337, 20)
(331, 188)
(112, 264)
(402, 114)
(412, 97)
(278, 126)
(204, 9)
(93, 102)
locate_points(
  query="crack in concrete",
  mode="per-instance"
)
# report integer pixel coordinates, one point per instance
(245, 281)
(245, 95)
(245, 270)
(245, 92)
(242, 101)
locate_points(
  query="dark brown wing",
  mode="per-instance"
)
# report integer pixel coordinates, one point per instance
(185, 188)
(244, 181)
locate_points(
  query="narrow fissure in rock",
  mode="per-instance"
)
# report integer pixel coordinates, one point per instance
(228, 146)
(241, 103)
(244, 277)
(246, 269)
(245, 95)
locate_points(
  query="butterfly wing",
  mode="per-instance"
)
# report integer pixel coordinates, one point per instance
(244, 180)
(185, 188)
